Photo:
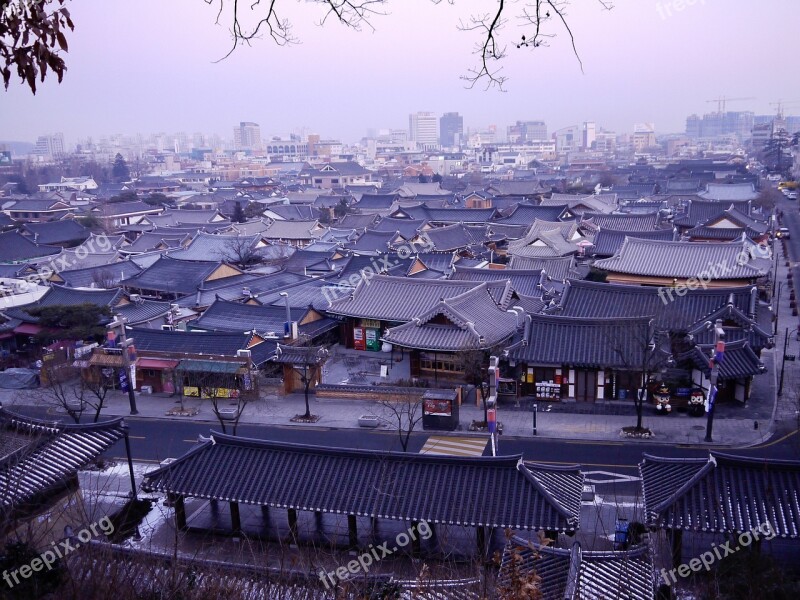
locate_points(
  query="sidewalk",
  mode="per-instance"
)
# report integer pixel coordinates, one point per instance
(677, 428)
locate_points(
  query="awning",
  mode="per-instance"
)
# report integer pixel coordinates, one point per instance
(155, 363)
(28, 328)
(209, 366)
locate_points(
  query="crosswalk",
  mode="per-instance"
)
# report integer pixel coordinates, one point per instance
(454, 446)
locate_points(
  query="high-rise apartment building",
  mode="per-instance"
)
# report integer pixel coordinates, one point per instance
(247, 136)
(451, 129)
(423, 127)
(50, 146)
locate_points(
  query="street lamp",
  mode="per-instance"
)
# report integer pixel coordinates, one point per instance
(535, 411)
(717, 356)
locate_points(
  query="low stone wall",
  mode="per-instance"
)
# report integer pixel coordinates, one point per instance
(369, 392)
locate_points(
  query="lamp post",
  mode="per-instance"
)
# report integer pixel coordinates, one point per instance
(535, 411)
(491, 403)
(125, 343)
(718, 354)
(287, 328)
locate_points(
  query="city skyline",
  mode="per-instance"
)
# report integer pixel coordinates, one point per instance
(171, 83)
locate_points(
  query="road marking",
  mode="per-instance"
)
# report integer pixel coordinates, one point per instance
(609, 477)
(137, 437)
(194, 441)
(778, 441)
(454, 446)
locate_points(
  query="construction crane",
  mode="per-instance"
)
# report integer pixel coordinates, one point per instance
(723, 99)
(781, 103)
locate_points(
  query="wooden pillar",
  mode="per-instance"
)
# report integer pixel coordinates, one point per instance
(318, 521)
(352, 531)
(265, 512)
(676, 540)
(180, 513)
(481, 535)
(291, 515)
(236, 519)
(416, 545)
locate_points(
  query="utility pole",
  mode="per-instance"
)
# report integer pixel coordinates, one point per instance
(125, 344)
(717, 356)
(491, 403)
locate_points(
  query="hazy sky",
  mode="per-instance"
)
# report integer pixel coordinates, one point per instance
(148, 66)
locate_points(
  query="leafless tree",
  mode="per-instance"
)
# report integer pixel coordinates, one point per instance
(104, 279)
(66, 389)
(241, 251)
(403, 412)
(305, 360)
(228, 392)
(539, 22)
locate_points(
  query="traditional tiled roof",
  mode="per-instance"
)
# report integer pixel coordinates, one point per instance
(358, 221)
(546, 239)
(730, 191)
(293, 230)
(722, 494)
(698, 212)
(294, 212)
(523, 282)
(575, 574)
(15, 247)
(739, 361)
(142, 311)
(216, 247)
(173, 217)
(401, 299)
(182, 276)
(581, 342)
(56, 232)
(157, 240)
(556, 268)
(375, 241)
(209, 343)
(109, 275)
(608, 242)
(472, 320)
(63, 296)
(611, 300)
(517, 188)
(455, 237)
(657, 258)
(255, 286)
(224, 315)
(737, 326)
(450, 215)
(117, 209)
(375, 202)
(526, 214)
(624, 222)
(37, 457)
(408, 228)
(384, 485)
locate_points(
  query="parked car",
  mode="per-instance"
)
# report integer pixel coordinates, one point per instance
(791, 196)
(783, 233)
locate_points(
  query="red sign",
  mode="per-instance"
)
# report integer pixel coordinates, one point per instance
(491, 416)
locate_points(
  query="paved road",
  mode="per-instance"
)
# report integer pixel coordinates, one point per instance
(156, 439)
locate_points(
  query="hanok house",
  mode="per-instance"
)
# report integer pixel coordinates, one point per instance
(717, 496)
(585, 359)
(438, 338)
(468, 502)
(39, 461)
(669, 264)
(385, 301)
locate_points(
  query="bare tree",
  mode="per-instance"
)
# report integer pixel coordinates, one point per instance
(104, 279)
(241, 251)
(67, 389)
(539, 22)
(305, 360)
(403, 413)
(229, 392)
(636, 344)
